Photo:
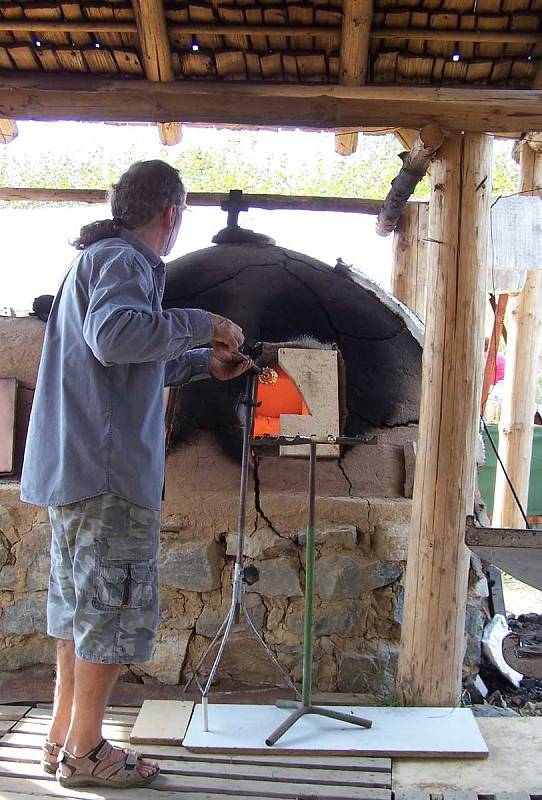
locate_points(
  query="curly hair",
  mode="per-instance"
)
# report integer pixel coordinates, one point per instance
(144, 190)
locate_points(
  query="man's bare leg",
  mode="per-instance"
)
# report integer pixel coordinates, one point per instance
(62, 708)
(92, 687)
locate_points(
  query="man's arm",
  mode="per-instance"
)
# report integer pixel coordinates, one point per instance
(191, 365)
(121, 326)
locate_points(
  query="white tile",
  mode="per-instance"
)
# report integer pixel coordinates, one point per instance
(396, 731)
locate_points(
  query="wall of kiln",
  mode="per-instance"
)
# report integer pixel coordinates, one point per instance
(361, 546)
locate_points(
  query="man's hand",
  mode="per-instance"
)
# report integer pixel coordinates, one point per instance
(226, 333)
(226, 365)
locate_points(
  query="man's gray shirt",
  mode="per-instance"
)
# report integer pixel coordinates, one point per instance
(97, 422)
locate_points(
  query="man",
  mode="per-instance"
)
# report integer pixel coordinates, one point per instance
(95, 457)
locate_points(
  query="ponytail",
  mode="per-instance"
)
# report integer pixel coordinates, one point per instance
(94, 231)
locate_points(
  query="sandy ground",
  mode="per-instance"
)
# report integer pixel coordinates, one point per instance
(520, 598)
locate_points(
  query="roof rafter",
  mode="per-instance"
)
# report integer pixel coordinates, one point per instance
(354, 57)
(156, 55)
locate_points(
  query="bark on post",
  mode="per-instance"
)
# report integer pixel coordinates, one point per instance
(432, 642)
(518, 403)
(409, 271)
(415, 165)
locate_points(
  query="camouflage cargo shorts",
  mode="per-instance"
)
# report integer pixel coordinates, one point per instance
(103, 587)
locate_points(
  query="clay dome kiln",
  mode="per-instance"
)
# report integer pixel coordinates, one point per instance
(278, 295)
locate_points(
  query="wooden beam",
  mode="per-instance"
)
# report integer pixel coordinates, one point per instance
(409, 269)
(43, 96)
(8, 131)
(432, 636)
(519, 389)
(269, 202)
(354, 58)
(156, 55)
(519, 37)
(224, 29)
(415, 164)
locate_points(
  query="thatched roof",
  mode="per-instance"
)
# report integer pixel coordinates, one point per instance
(504, 46)
(347, 52)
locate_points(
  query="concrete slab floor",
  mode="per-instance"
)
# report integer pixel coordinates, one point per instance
(514, 763)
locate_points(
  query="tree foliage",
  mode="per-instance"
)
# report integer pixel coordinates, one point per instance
(256, 162)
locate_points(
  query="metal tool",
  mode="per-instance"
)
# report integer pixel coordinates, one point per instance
(241, 575)
(305, 706)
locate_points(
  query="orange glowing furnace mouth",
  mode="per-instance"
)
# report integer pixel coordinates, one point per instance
(281, 396)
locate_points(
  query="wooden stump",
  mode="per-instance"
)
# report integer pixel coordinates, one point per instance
(432, 642)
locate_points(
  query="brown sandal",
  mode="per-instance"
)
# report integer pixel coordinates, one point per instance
(85, 771)
(50, 749)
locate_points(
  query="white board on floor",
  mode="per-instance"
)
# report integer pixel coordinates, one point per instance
(162, 722)
(444, 732)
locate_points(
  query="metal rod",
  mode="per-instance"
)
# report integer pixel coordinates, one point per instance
(248, 417)
(309, 582)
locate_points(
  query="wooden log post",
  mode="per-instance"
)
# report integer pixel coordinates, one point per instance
(409, 268)
(354, 58)
(432, 639)
(518, 401)
(156, 55)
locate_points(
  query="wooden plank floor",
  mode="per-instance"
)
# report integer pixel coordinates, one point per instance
(193, 776)
(185, 775)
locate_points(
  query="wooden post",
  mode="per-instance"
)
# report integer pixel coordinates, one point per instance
(518, 402)
(8, 130)
(409, 271)
(354, 58)
(432, 640)
(156, 55)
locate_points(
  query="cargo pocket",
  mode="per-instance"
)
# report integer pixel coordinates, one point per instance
(124, 586)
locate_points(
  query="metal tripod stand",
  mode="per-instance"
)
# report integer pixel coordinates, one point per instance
(305, 706)
(241, 575)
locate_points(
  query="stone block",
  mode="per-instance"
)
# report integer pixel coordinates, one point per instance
(347, 618)
(245, 660)
(288, 512)
(340, 576)
(344, 537)
(387, 512)
(169, 655)
(262, 543)
(474, 628)
(27, 651)
(18, 517)
(25, 616)
(195, 566)
(32, 562)
(278, 577)
(371, 672)
(211, 618)
(390, 543)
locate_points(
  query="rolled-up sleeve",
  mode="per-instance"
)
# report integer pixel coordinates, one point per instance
(121, 326)
(190, 366)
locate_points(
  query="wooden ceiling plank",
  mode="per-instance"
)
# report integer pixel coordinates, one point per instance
(40, 96)
(354, 57)
(156, 55)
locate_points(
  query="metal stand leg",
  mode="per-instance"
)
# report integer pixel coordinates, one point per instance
(306, 707)
(237, 608)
